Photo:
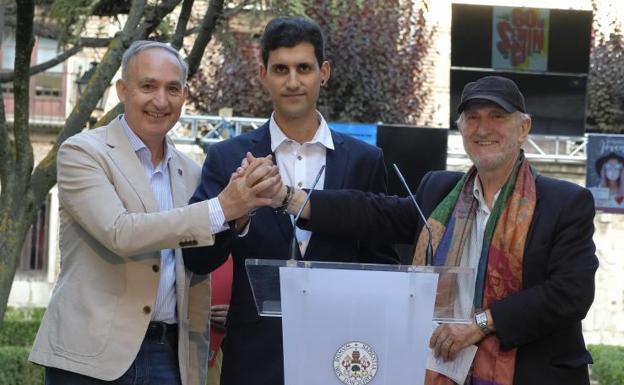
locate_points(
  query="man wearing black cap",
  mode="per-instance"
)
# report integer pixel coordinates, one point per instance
(529, 238)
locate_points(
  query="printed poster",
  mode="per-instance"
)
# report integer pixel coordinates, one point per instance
(605, 171)
(520, 38)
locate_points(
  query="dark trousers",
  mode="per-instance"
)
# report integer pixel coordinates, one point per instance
(155, 364)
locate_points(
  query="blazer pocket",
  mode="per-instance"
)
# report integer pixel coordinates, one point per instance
(82, 321)
(572, 360)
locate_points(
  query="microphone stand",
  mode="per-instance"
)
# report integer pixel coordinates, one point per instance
(429, 249)
(293, 242)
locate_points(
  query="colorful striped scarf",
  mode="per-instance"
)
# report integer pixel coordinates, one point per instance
(499, 273)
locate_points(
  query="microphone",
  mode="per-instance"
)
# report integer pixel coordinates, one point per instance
(293, 243)
(429, 250)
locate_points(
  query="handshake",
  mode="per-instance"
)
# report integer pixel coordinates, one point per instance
(254, 184)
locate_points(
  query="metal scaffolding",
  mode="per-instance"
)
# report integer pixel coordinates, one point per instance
(204, 130)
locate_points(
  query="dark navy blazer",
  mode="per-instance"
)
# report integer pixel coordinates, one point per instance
(543, 320)
(253, 346)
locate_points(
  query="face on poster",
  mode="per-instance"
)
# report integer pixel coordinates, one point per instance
(605, 171)
(520, 38)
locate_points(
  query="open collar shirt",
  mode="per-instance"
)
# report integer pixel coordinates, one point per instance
(299, 163)
(472, 249)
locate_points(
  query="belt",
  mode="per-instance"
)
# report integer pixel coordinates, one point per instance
(161, 332)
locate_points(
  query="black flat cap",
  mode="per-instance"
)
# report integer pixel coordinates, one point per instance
(496, 89)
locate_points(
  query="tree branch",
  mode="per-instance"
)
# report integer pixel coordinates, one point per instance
(185, 15)
(6, 77)
(155, 17)
(95, 42)
(134, 16)
(225, 15)
(112, 7)
(208, 25)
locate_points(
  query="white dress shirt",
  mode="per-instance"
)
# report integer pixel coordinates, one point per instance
(299, 163)
(472, 250)
(165, 306)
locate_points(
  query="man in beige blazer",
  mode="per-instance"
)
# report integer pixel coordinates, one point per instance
(124, 308)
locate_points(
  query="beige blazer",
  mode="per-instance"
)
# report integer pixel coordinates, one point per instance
(111, 235)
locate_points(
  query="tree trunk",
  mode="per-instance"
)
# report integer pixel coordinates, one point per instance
(14, 230)
(16, 210)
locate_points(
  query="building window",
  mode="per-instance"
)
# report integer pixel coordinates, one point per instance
(35, 250)
(48, 85)
(7, 88)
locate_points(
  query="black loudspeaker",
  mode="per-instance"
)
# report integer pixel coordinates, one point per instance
(415, 150)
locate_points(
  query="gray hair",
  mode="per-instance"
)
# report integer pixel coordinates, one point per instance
(521, 116)
(142, 45)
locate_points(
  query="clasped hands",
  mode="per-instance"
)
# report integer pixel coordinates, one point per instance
(254, 184)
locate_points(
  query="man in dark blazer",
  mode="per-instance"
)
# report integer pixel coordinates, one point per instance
(298, 137)
(540, 322)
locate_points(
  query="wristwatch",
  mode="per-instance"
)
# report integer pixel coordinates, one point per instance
(481, 320)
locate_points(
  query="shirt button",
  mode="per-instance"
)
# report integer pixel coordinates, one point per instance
(299, 184)
(299, 157)
(155, 268)
(147, 309)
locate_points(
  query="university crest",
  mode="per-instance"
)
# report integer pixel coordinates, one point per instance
(355, 363)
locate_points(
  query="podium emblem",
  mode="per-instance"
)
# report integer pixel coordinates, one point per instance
(355, 363)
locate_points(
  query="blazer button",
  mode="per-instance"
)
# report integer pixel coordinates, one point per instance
(155, 268)
(147, 309)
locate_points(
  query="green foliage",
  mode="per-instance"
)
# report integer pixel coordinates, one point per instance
(606, 85)
(376, 49)
(20, 326)
(24, 314)
(228, 77)
(16, 337)
(605, 89)
(18, 333)
(16, 370)
(608, 366)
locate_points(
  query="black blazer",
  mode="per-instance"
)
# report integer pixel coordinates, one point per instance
(253, 347)
(544, 319)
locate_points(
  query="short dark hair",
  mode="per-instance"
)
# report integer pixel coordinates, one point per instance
(141, 45)
(289, 31)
